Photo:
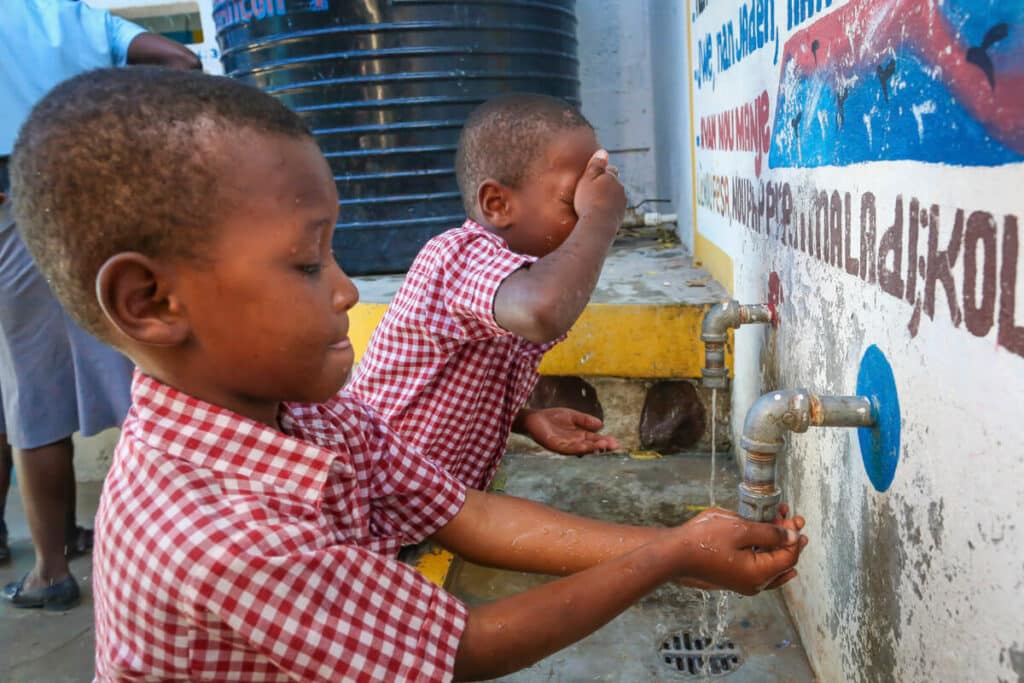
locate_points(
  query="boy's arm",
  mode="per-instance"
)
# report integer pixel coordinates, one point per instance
(514, 533)
(542, 301)
(509, 634)
(155, 49)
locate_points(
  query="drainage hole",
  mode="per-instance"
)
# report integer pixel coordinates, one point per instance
(696, 656)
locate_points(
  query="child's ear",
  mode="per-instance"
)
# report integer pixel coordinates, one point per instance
(137, 298)
(496, 204)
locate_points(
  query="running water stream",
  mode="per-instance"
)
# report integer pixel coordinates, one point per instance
(721, 598)
(714, 448)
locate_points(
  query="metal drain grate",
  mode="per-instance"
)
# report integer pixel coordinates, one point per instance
(696, 657)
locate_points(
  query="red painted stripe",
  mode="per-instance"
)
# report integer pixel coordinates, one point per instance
(859, 36)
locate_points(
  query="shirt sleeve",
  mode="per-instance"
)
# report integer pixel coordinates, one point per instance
(120, 34)
(339, 613)
(470, 281)
(411, 496)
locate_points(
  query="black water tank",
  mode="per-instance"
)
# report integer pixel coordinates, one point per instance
(385, 85)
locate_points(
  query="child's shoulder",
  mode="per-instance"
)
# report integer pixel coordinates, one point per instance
(459, 244)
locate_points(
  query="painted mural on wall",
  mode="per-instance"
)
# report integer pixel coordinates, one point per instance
(882, 80)
(845, 85)
(869, 154)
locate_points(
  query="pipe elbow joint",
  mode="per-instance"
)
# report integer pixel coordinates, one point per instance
(771, 416)
(717, 322)
(714, 332)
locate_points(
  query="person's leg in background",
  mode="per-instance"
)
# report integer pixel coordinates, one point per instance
(37, 376)
(6, 460)
(57, 380)
(46, 479)
(6, 463)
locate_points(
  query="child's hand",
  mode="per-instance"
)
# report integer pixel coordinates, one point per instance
(732, 553)
(599, 194)
(566, 431)
(783, 520)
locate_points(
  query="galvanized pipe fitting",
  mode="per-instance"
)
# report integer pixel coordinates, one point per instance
(771, 416)
(714, 332)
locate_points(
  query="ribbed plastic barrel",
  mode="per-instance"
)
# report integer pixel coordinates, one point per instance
(386, 85)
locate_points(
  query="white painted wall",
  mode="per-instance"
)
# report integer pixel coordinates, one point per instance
(923, 582)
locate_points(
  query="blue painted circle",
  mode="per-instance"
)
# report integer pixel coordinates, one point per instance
(879, 445)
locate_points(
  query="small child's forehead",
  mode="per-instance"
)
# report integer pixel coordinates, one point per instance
(565, 150)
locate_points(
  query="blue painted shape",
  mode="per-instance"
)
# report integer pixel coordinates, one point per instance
(879, 445)
(919, 121)
(865, 83)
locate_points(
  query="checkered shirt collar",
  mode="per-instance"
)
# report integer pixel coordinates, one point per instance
(471, 224)
(231, 445)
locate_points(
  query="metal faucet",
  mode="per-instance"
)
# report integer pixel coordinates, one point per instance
(714, 332)
(768, 419)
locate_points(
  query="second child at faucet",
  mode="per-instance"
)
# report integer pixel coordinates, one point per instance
(455, 358)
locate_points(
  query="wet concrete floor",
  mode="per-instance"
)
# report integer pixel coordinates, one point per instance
(663, 491)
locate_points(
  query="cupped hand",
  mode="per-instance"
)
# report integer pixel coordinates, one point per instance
(728, 552)
(567, 431)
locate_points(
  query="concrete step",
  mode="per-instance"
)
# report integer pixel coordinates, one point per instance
(634, 356)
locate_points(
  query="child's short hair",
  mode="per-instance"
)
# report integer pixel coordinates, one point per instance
(120, 160)
(503, 136)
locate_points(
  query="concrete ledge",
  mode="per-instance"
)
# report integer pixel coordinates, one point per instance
(651, 341)
(643, 320)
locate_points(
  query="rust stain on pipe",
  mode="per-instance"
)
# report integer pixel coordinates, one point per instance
(817, 414)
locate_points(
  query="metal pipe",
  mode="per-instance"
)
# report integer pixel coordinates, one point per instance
(714, 332)
(636, 219)
(771, 416)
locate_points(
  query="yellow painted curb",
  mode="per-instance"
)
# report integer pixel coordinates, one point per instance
(434, 565)
(651, 341)
(645, 455)
(631, 340)
(362, 321)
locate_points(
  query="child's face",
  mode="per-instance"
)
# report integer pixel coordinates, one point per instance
(267, 304)
(545, 214)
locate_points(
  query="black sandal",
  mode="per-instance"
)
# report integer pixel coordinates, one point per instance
(79, 543)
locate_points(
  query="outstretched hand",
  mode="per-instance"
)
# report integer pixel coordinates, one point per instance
(566, 431)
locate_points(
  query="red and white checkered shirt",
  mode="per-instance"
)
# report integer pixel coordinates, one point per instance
(439, 368)
(230, 551)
